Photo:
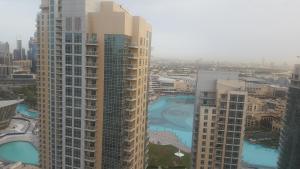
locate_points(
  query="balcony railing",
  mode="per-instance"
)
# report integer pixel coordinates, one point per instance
(91, 75)
(91, 53)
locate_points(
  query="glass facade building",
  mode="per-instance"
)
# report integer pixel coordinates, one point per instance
(290, 135)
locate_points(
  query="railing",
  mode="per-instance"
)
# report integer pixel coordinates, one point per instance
(91, 75)
(93, 86)
(91, 53)
(91, 64)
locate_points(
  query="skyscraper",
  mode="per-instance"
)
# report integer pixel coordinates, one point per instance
(92, 82)
(19, 53)
(31, 53)
(5, 57)
(220, 112)
(290, 135)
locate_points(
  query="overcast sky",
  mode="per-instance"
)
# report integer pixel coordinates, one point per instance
(240, 30)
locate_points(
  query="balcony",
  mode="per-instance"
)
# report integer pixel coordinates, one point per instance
(130, 109)
(89, 107)
(131, 88)
(128, 157)
(90, 127)
(91, 64)
(131, 77)
(133, 46)
(128, 148)
(89, 158)
(134, 57)
(92, 42)
(132, 67)
(131, 98)
(91, 75)
(91, 86)
(91, 53)
(90, 148)
(91, 97)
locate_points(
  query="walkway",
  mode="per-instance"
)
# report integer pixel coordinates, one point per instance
(167, 138)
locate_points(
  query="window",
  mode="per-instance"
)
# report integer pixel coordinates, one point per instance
(77, 102)
(69, 122)
(77, 38)
(68, 151)
(69, 132)
(77, 133)
(69, 70)
(69, 111)
(68, 80)
(77, 49)
(69, 59)
(77, 60)
(77, 81)
(68, 141)
(77, 112)
(68, 48)
(77, 123)
(77, 24)
(68, 91)
(69, 101)
(77, 92)
(68, 38)
(77, 143)
(76, 153)
(77, 71)
(68, 24)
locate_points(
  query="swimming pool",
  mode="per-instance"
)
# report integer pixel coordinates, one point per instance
(24, 110)
(19, 151)
(175, 114)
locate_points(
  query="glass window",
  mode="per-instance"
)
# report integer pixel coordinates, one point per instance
(69, 70)
(69, 132)
(77, 143)
(77, 92)
(68, 48)
(77, 60)
(68, 151)
(77, 49)
(69, 101)
(68, 24)
(69, 91)
(77, 123)
(77, 112)
(69, 122)
(68, 80)
(69, 59)
(69, 111)
(77, 81)
(77, 71)
(76, 153)
(68, 38)
(77, 133)
(77, 38)
(77, 102)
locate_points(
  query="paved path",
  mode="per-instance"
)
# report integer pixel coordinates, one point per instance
(167, 138)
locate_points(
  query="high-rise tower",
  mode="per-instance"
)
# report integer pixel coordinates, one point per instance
(290, 135)
(93, 81)
(220, 112)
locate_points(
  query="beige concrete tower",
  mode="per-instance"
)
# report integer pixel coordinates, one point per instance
(220, 113)
(98, 71)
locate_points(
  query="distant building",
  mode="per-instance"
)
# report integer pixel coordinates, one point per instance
(23, 65)
(5, 56)
(7, 111)
(219, 120)
(31, 53)
(19, 53)
(290, 136)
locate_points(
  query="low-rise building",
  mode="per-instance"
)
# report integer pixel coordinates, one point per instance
(7, 111)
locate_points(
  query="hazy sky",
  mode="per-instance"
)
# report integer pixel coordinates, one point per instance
(208, 29)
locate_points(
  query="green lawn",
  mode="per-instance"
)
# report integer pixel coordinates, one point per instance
(163, 156)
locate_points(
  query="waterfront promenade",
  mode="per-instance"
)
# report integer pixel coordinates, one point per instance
(167, 138)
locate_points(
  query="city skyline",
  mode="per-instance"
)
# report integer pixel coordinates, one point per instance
(210, 30)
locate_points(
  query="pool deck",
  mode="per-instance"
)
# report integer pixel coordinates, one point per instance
(27, 135)
(167, 138)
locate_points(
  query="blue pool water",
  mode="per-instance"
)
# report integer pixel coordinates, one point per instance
(19, 151)
(23, 109)
(175, 114)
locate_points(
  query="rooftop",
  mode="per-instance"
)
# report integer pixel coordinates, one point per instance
(5, 103)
